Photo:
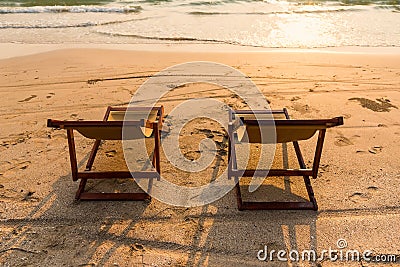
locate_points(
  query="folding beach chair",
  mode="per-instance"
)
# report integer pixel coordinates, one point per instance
(111, 129)
(286, 131)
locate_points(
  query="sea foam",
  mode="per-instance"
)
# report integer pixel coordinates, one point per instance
(70, 9)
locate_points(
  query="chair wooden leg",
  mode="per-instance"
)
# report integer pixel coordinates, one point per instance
(157, 149)
(307, 181)
(114, 196)
(318, 152)
(238, 195)
(232, 163)
(93, 154)
(277, 206)
(81, 188)
(72, 154)
(310, 192)
(82, 195)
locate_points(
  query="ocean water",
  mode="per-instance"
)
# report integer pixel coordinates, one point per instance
(272, 23)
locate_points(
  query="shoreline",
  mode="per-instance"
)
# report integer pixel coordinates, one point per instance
(10, 50)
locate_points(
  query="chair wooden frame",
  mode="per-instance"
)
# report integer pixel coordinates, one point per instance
(233, 170)
(70, 126)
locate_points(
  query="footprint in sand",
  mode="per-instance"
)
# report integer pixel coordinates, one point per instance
(4, 165)
(208, 133)
(4, 145)
(217, 136)
(111, 153)
(375, 150)
(57, 136)
(13, 167)
(17, 139)
(23, 165)
(343, 141)
(303, 109)
(192, 155)
(27, 99)
(372, 188)
(346, 116)
(50, 95)
(323, 168)
(358, 197)
(237, 100)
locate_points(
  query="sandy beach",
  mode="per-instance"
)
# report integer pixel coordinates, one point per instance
(357, 189)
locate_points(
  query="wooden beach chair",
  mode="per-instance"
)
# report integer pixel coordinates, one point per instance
(110, 128)
(286, 131)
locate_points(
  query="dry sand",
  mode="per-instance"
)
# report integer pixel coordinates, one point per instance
(357, 189)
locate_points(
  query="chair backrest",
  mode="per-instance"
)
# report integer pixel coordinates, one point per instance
(275, 128)
(112, 128)
(135, 115)
(105, 132)
(282, 134)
